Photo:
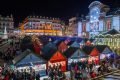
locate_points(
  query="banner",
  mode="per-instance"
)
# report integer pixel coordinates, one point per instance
(62, 63)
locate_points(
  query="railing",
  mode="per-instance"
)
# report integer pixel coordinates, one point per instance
(4, 43)
(102, 76)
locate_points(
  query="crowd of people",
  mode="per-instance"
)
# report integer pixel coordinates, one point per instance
(55, 73)
(81, 70)
(8, 74)
(11, 50)
(84, 71)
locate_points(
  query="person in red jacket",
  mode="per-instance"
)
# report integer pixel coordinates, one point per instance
(93, 74)
(6, 77)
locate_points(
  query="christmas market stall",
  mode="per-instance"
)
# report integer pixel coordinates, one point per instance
(54, 58)
(48, 47)
(70, 43)
(93, 54)
(30, 62)
(75, 55)
(75, 44)
(62, 45)
(82, 42)
(104, 51)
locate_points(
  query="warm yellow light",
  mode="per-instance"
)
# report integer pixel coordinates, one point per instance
(42, 31)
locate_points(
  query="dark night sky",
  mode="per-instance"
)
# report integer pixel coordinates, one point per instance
(55, 8)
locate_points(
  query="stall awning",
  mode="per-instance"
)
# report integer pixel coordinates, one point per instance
(107, 50)
(48, 53)
(57, 57)
(88, 49)
(75, 44)
(70, 43)
(21, 56)
(28, 57)
(48, 47)
(101, 48)
(58, 42)
(70, 51)
(94, 52)
(91, 50)
(79, 54)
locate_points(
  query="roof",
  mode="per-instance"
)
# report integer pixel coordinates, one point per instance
(112, 32)
(107, 50)
(100, 48)
(27, 57)
(70, 43)
(79, 54)
(47, 54)
(70, 51)
(58, 42)
(82, 42)
(115, 11)
(58, 56)
(75, 44)
(94, 3)
(88, 49)
(21, 56)
(48, 47)
(79, 40)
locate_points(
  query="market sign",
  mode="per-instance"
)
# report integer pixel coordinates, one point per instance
(39, 67)
(62, 63)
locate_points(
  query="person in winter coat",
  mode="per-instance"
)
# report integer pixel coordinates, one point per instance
(77, 75)
(80, 75)
(93, 74)
(6, 77)
(38, 77)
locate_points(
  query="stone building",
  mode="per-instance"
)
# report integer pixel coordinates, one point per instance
(6, 23)
(100, 19)
(42, 26)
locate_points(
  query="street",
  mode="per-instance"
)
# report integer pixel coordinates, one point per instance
(114, 76)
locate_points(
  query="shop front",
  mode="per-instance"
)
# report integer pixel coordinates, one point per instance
(58, 63)
(106, 53)
(74, 55)
(30, 62)
(93, 54)
(75, 44)
(58, 60)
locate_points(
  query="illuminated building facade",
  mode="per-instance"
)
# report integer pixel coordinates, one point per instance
(72, 28)
(42, 26)
(110, 38)
(6, 22)
(98, 20)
